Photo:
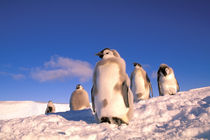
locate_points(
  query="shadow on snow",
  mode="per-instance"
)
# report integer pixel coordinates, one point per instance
(79, 115)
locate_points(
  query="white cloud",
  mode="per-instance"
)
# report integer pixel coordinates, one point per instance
(62, 68)
(14, 76)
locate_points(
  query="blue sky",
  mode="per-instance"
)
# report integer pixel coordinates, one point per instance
(47, 47)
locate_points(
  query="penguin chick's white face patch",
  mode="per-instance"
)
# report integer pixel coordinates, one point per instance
(108, 54)
(167, 70)
(137, 66)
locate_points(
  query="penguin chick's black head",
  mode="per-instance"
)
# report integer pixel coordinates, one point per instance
(136, 64)
(101, 53)
(162, 69)
(78, 86)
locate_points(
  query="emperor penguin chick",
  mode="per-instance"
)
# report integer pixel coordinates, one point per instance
(50, 107)
(79, 99)
(140, 83)
(167, 83)
(112, 99)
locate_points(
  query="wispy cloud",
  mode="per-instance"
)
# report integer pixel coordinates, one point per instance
(62, 68)
(154, 75)
(147, 66)
(12, 75)
(18, 76)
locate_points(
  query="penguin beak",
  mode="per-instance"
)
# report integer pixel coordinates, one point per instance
(100, 54)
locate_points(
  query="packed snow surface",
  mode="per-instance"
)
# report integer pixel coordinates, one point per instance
(185, 115)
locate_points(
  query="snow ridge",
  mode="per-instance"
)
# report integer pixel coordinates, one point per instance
(185, 115)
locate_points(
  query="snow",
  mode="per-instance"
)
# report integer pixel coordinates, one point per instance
(185, 115)
(22, 109)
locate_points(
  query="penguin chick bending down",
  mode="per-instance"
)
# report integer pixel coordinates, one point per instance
(79, 99)
(167, 83)
(112, 99)
(50, 107)
(140, 83)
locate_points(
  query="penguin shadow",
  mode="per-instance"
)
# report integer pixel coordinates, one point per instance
(85, 115)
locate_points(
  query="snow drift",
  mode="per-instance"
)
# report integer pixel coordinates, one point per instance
(185, 115)
(22, 109)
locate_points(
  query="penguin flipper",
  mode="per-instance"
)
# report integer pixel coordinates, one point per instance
(158, 78)
(92, 98)
(177, 85)
(160, 94)
(125, 89)
(131, 79)
(148, 80)
(150, 86)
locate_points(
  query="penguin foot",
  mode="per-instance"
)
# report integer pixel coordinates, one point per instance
(172, 93)
(105, 120)
(113, 120)
(118, 121)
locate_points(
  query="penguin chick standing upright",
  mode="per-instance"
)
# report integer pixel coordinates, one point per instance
(140, 83)
(79, 99)
(112, 99)
(50, 107)
(167, 83)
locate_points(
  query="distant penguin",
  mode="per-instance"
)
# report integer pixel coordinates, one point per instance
(112, 99)
(50, 107)
(140, 83)
(79, 99)
(167, 83)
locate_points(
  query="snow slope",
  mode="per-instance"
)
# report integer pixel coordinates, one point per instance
(22, 109)
(182, 116)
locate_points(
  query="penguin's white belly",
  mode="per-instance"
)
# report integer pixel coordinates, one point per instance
(138, 84)
(139, 87)
(107, 78)
(168, 85)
